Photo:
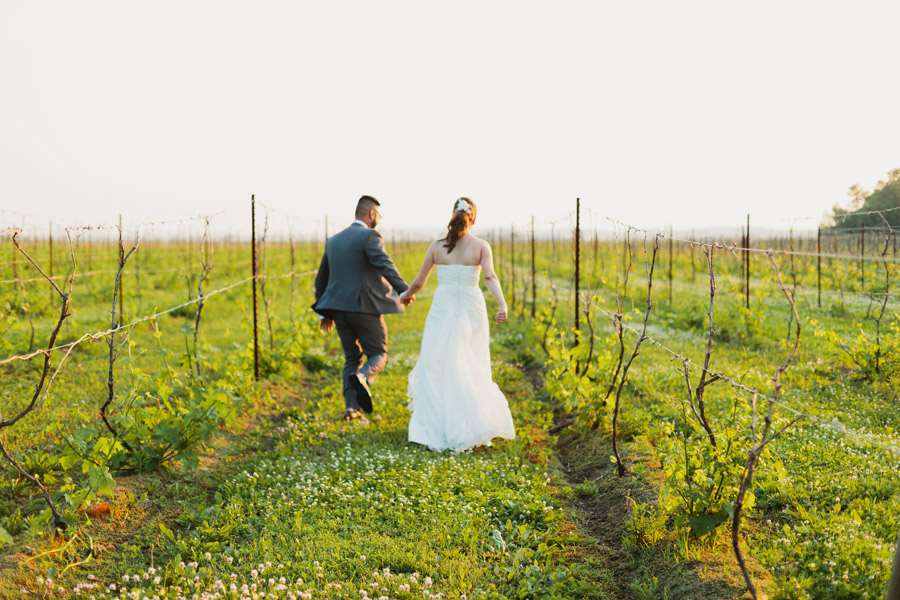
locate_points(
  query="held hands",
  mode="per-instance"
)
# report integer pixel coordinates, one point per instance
(326, 325)
(501, 315)
(406, 298)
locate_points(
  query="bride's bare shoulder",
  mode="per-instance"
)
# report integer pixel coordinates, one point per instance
(437, 248)
(482, 243)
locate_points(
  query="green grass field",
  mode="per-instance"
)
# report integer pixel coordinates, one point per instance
(232, 482)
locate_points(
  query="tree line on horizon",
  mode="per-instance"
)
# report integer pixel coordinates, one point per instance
(886, 195)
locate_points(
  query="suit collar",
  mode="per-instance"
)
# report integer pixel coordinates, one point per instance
(358, 222)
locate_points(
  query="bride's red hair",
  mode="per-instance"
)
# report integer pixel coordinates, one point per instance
(460, 222)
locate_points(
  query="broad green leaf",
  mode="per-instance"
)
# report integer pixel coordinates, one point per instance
(5, 537)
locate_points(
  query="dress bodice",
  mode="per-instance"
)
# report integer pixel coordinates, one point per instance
(458, 275)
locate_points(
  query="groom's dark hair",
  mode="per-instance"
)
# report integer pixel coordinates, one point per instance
(365, 204)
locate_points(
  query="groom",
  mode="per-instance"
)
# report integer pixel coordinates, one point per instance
(357, 284)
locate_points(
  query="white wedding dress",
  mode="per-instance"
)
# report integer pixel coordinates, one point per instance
(454, 401)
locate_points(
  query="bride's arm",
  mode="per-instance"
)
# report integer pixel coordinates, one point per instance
(422, 278)
(492, 281)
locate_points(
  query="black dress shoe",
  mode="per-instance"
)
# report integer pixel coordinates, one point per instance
(363, 395)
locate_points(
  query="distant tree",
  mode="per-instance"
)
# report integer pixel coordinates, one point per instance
(885, 196)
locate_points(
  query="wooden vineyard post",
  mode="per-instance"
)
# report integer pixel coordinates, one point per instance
(577, 264)
(819, 264)
(50, 239)
(747, 267)
(512, 266)
(255, 273)
(534, 271)
(744, 244)
(293, 272)
(14, 263)
(137, 280)
(122, 277)
(862, 254)
(670, 264)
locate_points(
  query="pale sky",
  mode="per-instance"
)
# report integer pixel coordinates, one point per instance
(655, 113)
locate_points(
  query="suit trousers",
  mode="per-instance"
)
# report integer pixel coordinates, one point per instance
(361, 333)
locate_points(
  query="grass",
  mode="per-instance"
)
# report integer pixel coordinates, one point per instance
(820, 526)
(288, 494)
(282, 486)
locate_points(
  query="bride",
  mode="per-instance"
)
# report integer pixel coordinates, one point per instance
(455, 403)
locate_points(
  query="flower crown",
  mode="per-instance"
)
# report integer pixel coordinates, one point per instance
(462, 206)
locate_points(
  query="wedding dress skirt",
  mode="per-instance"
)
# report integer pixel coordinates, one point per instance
(455, 403)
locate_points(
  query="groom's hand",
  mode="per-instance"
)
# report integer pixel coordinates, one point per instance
(408, 300)
(326, 325)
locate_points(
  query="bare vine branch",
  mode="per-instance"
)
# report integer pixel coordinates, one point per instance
(590, 324)
(701, 386)
(263, 279)
(888, 234)
(206, 261)
(758, 446)
(637, 346)
(111, 340)
(45, 381)
(617, 318)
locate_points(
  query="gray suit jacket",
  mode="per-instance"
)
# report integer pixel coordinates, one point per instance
(357, 275)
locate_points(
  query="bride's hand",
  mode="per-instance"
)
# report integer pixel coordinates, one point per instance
(406, 298)
(501, 316)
